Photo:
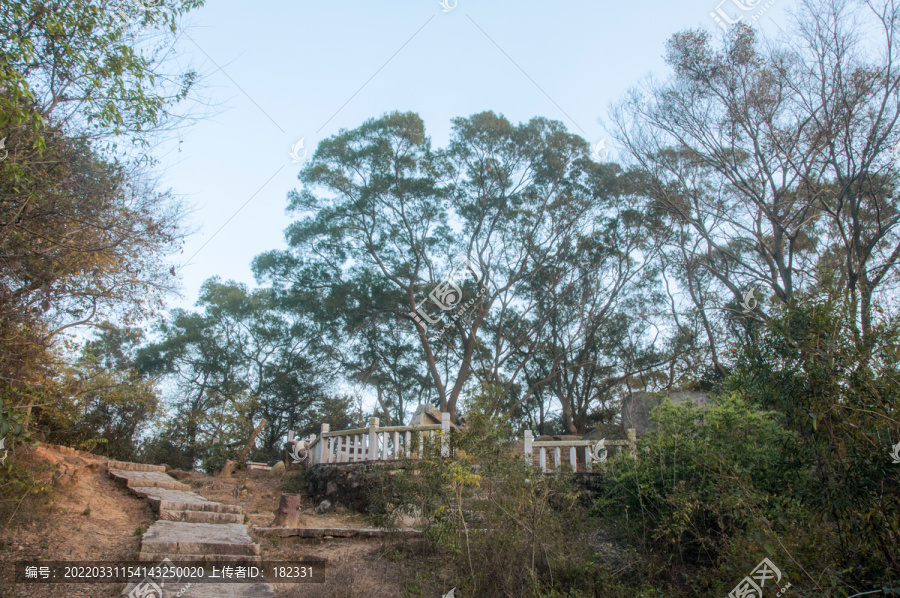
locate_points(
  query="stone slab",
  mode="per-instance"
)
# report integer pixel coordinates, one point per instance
(200, 516)
(180, 500)
(336, 532)
(147, 479)
(206, 558)
(126, 466)
(178, 537)
(211, 590)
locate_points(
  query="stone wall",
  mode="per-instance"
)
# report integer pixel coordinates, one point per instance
(345, 485)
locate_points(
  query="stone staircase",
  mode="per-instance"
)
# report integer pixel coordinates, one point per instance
(190, 528)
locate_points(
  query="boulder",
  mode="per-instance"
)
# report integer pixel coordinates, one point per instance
(428, 415)
(636, 407)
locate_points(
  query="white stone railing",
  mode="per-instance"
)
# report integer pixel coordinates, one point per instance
(377, 443)
(594, 451)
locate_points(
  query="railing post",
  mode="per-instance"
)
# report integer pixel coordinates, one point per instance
(323, 443)
(373, 441)
(445, 434)
(632, 441)
(529, 456)
(290, 435)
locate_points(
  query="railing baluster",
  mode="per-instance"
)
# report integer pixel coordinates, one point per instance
(373, 441)
(572, 460)
(529, 455)
(556, 455)
(543, 460)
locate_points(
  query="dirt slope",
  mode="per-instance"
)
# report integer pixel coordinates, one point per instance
(90, 517)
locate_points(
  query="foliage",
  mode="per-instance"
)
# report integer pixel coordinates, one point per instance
(110, 404)
(704, 479)
(375, 241)
(499, 529)
(295, 482)
(83, 229)
(842, 402)
(242, 359)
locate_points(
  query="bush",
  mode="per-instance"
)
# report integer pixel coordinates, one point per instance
(495, 528)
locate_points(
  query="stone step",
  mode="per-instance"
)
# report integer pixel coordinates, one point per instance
(200, 516)
(162, 499)
(147, 479)
(126, 466)
(208, 590)
(334, 532)
(205, 558)
(177, 537)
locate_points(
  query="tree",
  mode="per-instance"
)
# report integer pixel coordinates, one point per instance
(83, 229)
(240, 360)
(773, 161)
(112, 404)
(469, 226)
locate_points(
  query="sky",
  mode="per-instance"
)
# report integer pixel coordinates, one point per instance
(278, 72)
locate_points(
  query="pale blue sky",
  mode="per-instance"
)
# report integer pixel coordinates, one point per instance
(307, 69)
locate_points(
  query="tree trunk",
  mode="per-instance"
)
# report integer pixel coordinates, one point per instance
(242, 454)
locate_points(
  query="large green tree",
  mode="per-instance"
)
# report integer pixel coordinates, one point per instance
(402, 245)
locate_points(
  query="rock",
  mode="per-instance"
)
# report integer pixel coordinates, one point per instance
(331, 488)
(323, 507)
(66, 475)
(179, 474)
(428, 415)
(278, 469)
(637, 405)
